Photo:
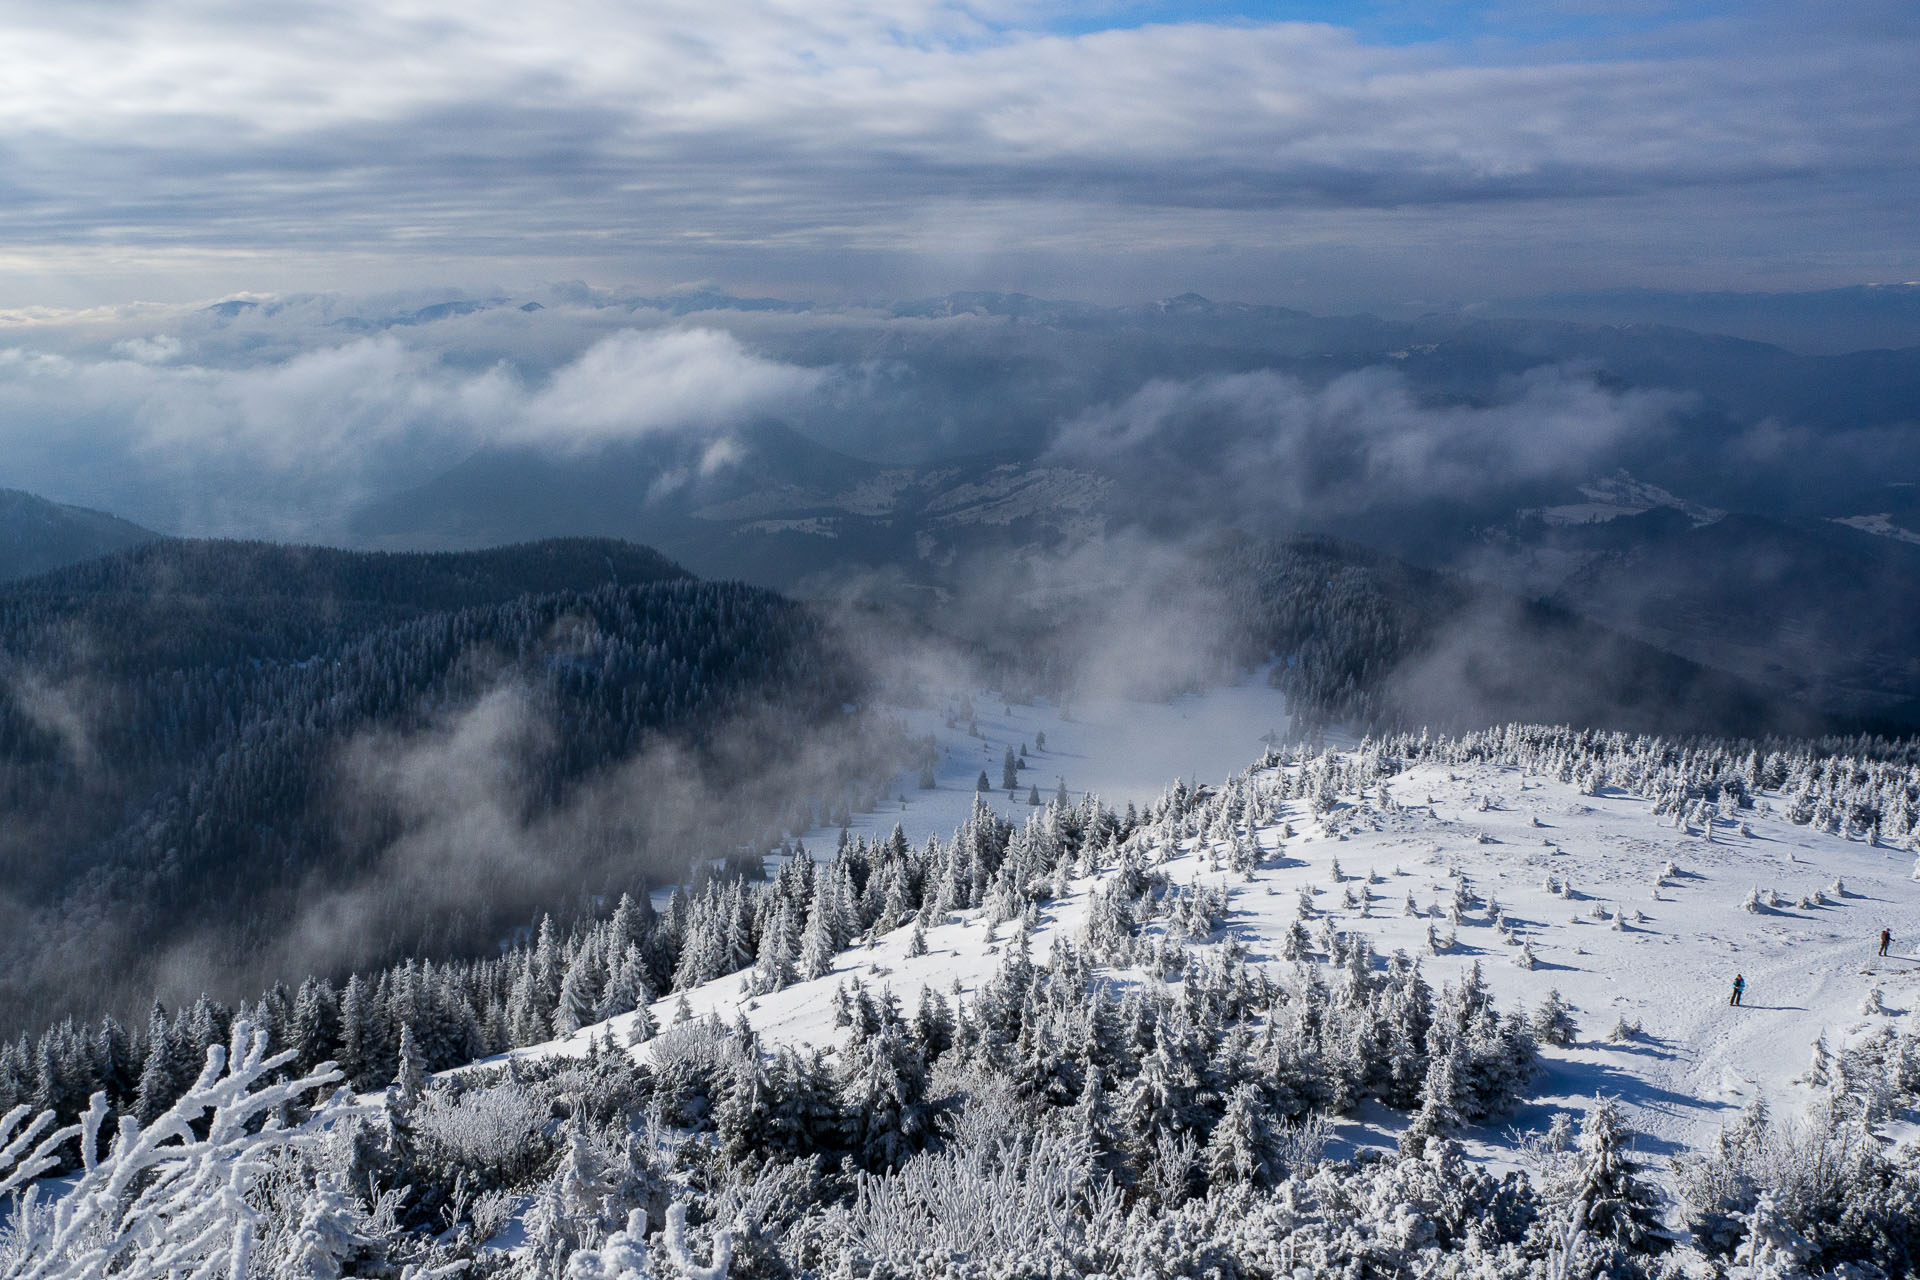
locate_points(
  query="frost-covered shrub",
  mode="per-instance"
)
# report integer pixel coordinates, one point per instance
(626, 1255)
(493, 1136)
(170, 1197)
(1002, 1193)
(1823, 1180)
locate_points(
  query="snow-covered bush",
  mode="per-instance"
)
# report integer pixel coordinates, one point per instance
(1018, 1199)
(169, 1198)
(624, 1254)
(493, 1136)
(1820, 1188)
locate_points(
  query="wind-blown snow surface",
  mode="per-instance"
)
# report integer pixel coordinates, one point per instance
(1664, 957)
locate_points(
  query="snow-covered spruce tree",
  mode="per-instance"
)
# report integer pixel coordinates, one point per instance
(1553, 1021)
(580, 990)
(330, 1233)
(1242, 1147)
(1622, 1215)
(883, 1095)
(571, 1211)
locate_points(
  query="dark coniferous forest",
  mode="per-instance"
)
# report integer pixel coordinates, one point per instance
(196, 735)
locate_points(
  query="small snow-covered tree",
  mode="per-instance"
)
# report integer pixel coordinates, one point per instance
(1242, 1147)
(1622, 1209)
(330, 1233)
(1553, 1021)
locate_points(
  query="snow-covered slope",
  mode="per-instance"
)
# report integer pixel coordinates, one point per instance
(1630, 918)
(1121, 750)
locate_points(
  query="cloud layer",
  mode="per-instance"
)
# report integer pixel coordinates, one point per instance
(283, 446)
(845, 145)
(1275, 453)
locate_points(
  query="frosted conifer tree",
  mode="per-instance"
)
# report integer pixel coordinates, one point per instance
(1621, 1208)
(817, 947)
(1553, 1021)
(1242, 1148)
(579, 993)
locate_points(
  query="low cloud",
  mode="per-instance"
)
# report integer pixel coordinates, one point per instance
(59, 709)
(283, 447)
(1272, 452)
(638, 382)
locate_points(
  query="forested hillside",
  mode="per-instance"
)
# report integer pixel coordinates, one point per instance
(37, 535)
(1358, 639)
(199, 739)
(1370, 642)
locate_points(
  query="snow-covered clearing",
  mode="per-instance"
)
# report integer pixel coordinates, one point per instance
(1123, 751)
(1619, 936)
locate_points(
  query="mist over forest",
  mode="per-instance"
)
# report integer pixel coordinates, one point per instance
(1437, 522)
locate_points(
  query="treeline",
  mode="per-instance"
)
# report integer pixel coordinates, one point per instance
(1377, 1033)
(176, 761)
(782, 928)
(1861, 788)
(788, 926)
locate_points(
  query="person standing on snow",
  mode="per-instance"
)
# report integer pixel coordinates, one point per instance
(1739, 985)
(1886, 937)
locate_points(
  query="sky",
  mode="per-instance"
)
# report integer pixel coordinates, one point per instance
(1324, 155)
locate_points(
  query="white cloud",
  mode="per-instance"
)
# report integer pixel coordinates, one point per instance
(640, 381)
(281, 446)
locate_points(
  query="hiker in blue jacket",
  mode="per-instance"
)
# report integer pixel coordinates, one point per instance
(1739, 985)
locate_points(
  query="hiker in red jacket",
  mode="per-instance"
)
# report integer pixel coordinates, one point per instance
(1886, 937)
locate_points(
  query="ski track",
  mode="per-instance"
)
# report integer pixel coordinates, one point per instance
(1698, 1061)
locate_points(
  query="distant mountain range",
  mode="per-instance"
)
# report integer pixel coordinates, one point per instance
(1824, 321)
